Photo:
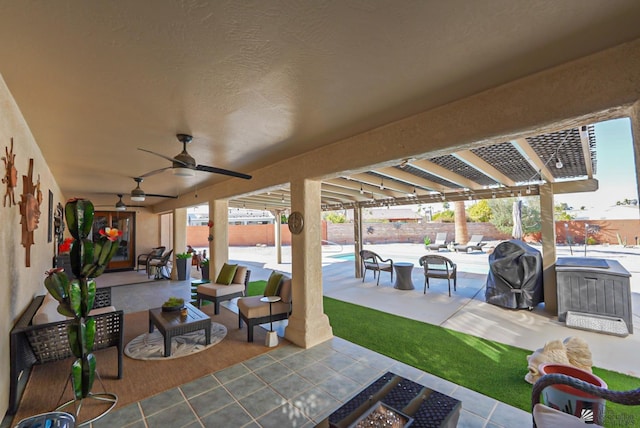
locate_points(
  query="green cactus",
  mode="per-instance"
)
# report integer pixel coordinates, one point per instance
(76, 296)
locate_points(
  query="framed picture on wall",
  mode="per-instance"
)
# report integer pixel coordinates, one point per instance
(50, 218)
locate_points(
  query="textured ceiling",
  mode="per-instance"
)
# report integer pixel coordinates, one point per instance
(257, 82)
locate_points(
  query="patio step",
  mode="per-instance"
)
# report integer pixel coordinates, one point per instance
(599, 323)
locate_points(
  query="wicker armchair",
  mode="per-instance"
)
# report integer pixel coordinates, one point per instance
(544, 416)
(42, 343)
(373, 262)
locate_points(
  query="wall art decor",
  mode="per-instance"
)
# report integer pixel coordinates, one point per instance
(50, 218)
(10, 178)
(30, 201)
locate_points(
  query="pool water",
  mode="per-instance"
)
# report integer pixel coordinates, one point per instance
(346, 256)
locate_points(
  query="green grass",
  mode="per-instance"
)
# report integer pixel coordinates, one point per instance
(485, 366)
(256, 288)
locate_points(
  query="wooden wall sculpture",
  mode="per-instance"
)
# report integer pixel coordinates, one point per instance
(30, 201)
(10, 178)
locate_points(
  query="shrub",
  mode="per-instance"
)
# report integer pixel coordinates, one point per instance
(183, 256)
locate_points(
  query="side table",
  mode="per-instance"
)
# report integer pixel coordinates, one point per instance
(272, 338)
(403, 276)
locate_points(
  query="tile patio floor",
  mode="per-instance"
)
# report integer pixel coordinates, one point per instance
(293, 387)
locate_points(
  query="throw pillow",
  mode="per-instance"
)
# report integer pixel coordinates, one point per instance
(226, 274)
(273, 284)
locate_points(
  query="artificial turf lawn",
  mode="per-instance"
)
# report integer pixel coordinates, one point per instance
(256, 288)
(482, 365)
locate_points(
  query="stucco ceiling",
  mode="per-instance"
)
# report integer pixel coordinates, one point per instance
(257, 82)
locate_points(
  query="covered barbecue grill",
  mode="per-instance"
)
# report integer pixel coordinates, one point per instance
(515, 276)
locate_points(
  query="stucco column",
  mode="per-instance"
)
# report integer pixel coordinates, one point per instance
(219, 247)
(179, 237)
(548, 249)
(635, 134)
(278, 236)
(308, 324)
(357, 239)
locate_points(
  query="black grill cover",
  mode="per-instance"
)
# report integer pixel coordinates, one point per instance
(515, 276)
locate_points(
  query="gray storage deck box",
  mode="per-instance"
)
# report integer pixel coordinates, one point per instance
(592, 286)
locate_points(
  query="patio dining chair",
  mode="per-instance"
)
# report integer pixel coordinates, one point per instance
(161, 267)
(144, 259)
(438, 267)
(440, 242)
(373, 262)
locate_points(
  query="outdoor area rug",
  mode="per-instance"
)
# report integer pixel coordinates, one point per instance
(150, 346)
(141, 378)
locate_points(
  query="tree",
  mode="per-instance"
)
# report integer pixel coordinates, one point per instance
(502, 210)
(461, 234)
(334, 217)
(445, 216)
(480, 212)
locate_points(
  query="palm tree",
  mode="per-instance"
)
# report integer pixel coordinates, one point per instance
(460, 218)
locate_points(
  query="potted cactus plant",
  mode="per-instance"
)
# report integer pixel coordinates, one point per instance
(76, 295)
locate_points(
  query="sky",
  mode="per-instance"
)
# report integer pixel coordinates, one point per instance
(615, 169)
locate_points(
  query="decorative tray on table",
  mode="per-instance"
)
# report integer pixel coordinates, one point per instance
(173, 304)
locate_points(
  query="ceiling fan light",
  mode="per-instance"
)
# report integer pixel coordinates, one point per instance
(120, 207)
(184, 172)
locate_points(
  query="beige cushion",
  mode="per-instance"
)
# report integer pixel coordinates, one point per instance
(217, 290)
(252, 307)
(548, 417)
(48, 311)
(241, 273)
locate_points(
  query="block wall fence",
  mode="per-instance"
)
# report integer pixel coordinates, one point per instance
(602, 231)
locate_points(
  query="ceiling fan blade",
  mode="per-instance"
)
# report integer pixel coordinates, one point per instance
(164, 157)
(214, 170)
(155, 171)
(153, 195)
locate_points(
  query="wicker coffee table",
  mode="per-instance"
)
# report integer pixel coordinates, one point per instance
(172, 324)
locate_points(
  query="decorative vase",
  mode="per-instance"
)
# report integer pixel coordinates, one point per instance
(567, 399)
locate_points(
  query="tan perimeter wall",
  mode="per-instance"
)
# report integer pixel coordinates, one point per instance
(19, 284)
(603, 231)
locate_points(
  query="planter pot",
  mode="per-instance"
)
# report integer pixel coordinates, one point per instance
(567, 399)
(205, 272)
(184, 269)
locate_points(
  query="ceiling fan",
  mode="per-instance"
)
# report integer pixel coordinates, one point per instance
(185, 165)
(139, 195)
(120, 205)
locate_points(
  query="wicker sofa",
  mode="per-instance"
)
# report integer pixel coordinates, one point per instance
(255, 312)
(38, 343)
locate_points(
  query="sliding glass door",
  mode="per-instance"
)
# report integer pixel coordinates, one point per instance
(125, 222)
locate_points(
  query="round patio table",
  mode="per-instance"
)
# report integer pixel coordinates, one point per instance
(403, 276)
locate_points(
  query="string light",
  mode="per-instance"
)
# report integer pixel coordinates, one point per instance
(361, 190)
(381, 184)
(528, 190)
